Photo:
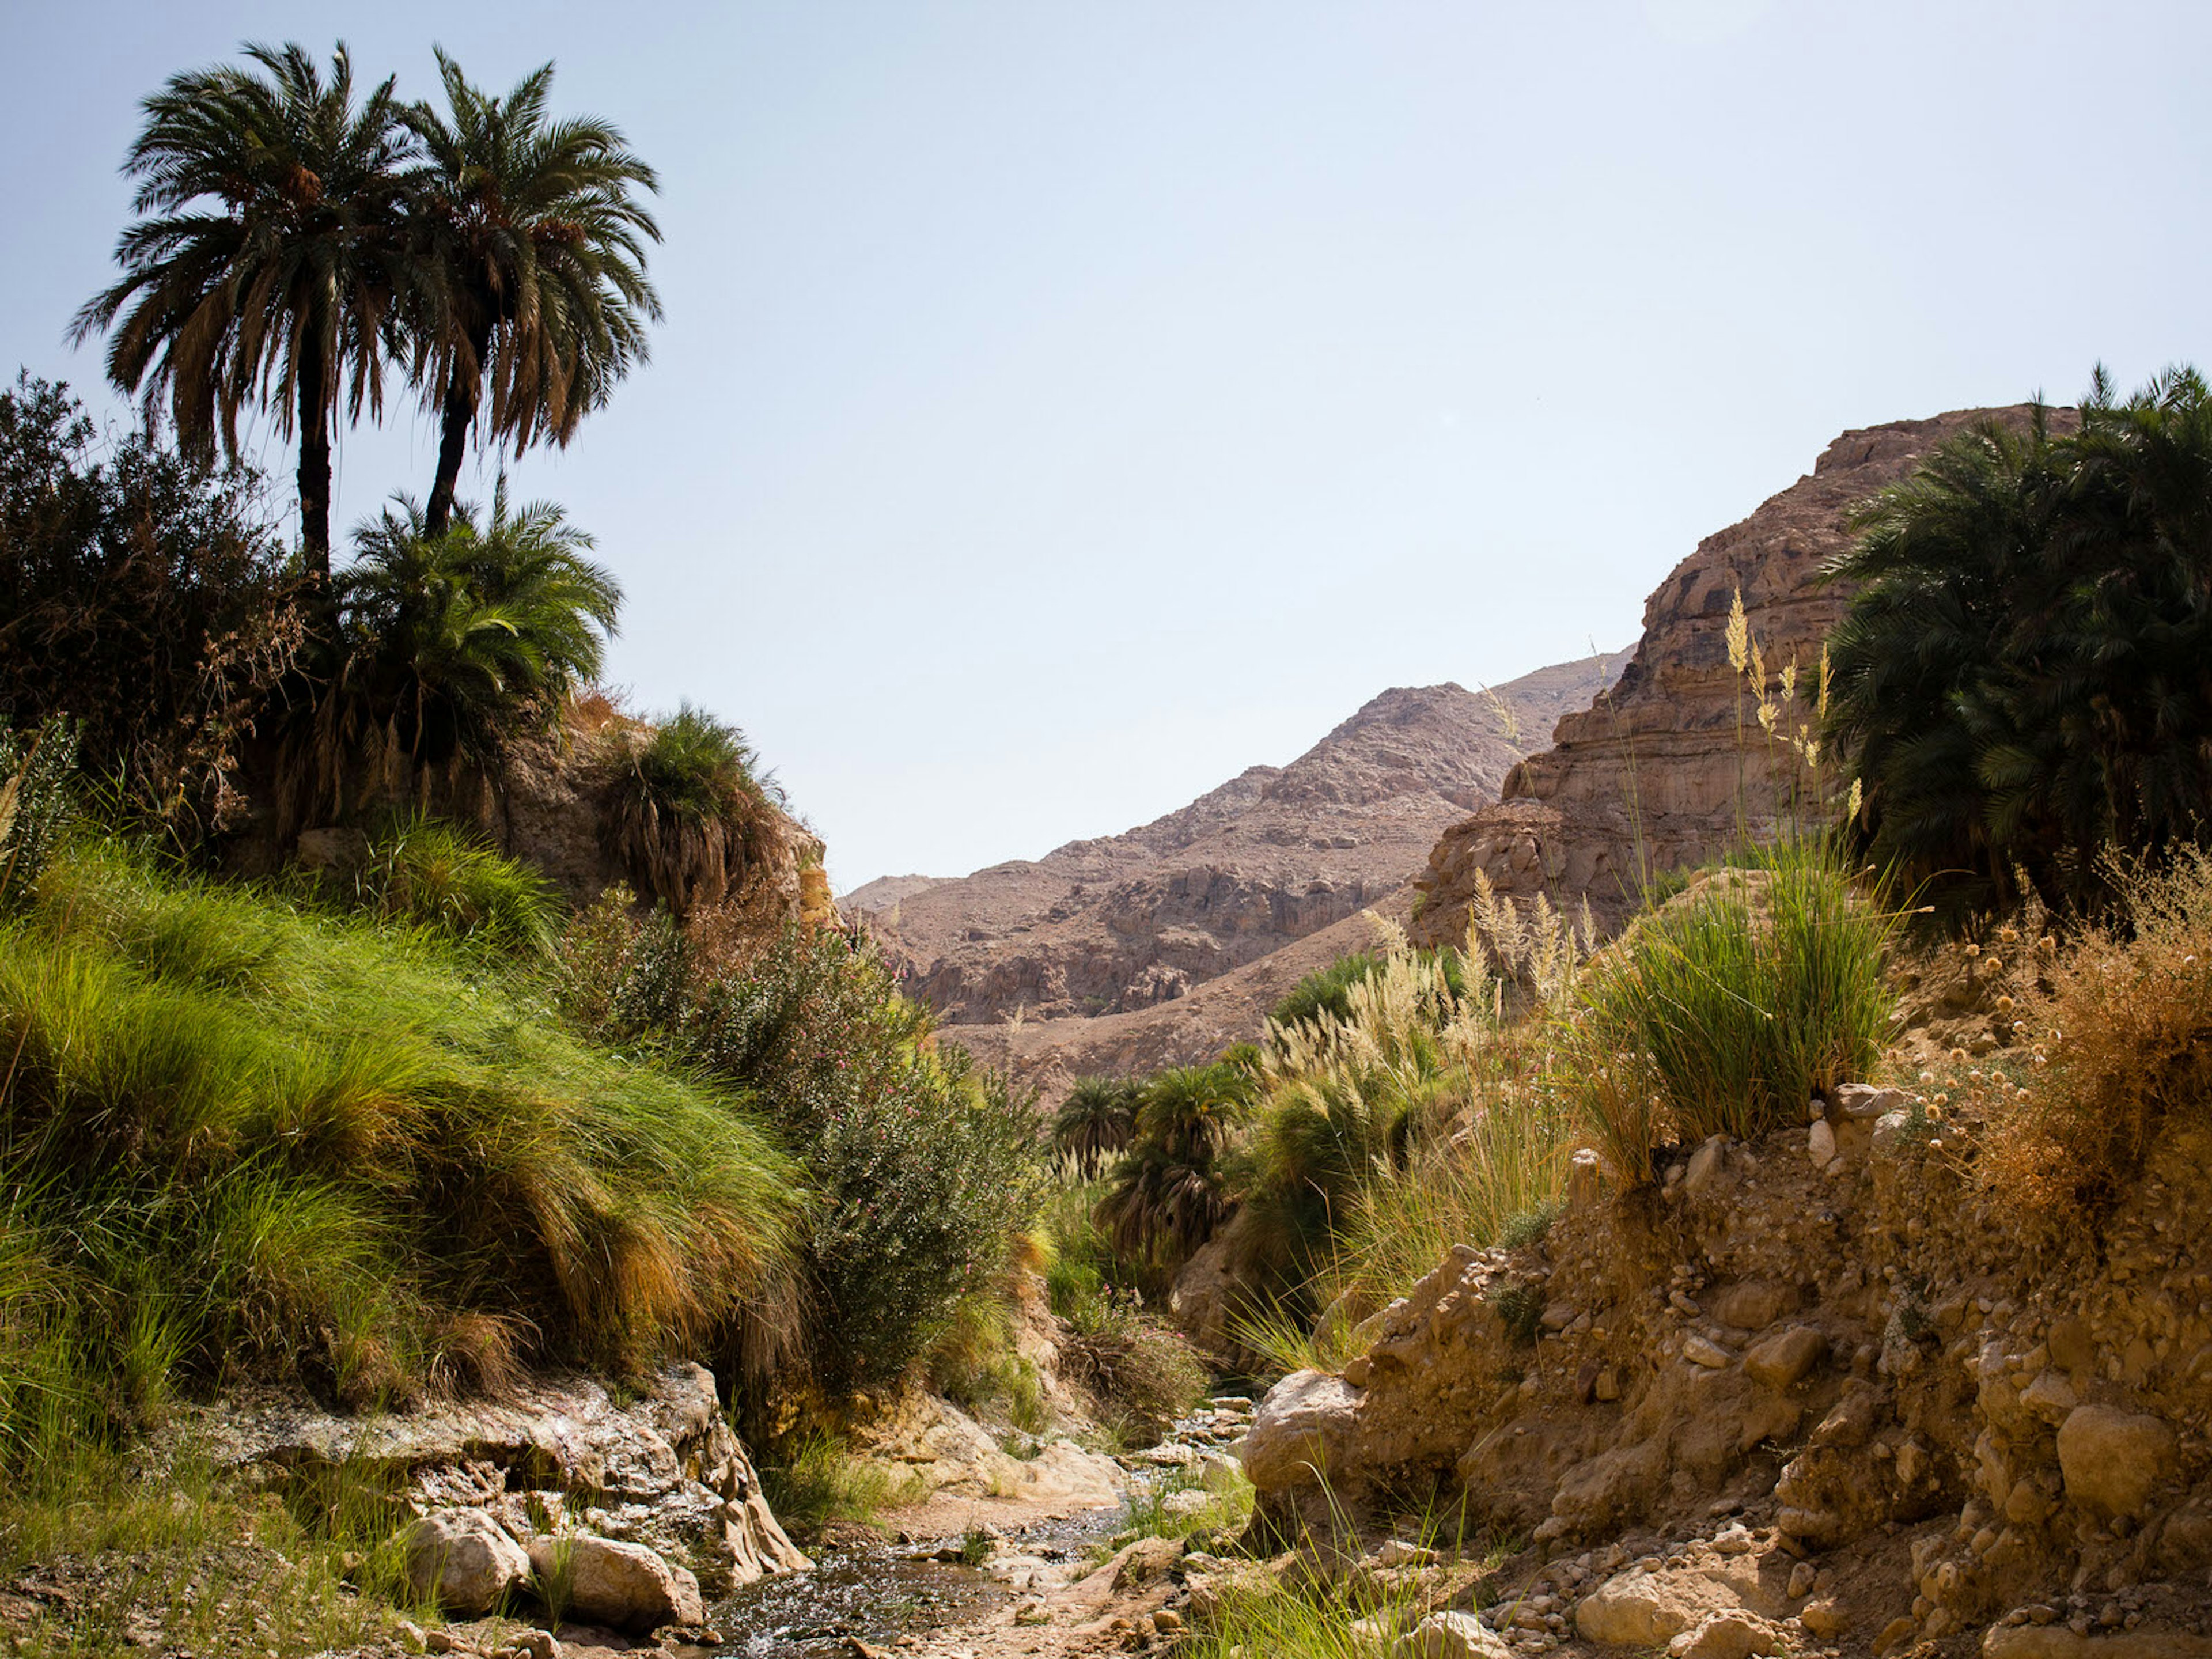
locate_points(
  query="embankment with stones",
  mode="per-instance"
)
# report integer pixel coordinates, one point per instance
(1817, 1393)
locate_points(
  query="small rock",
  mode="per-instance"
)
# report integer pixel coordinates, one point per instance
(536, 1645)
(1800, 1579)
(1699, 1352)
(1398, 1553)
(1863, 1102)
(1167, 1621)
(1820, 1143)
(1450, 1636)
(1896, 1633)
(1825, 1619)
(1705, 1165)
(1787, 1358)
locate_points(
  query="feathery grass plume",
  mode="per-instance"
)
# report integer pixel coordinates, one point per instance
(1724, 1011)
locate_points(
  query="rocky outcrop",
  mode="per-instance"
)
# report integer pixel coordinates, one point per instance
(1127, 923)
(1668, 768)
(1818, 1387)
(665, 1473)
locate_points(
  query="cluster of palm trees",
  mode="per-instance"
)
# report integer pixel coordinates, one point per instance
(300, 243)
(2025, 674)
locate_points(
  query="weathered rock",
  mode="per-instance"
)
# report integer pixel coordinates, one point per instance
(1787, 1358)
(2112, 1459)
(1728, 1636)
(1451, 1636)
(1303, 1417)
(2057, 1642)
(1646, 1609)
(604, 1581)
(465, 1561)
(1650, 777)
(1754, 1304)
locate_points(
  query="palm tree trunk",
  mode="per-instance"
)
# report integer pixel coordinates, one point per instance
(459, 416)
(314, 460)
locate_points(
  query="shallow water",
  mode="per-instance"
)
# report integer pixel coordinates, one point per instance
(879, 1594)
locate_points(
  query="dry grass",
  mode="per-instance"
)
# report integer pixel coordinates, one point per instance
(2117, 1042)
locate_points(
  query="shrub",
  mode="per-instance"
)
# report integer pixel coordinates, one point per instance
(296, 1142)
(924, 1171)
(1723, 1012)
(811, 1480)
(685, 811)
(2117, 1044)
(1143, 1375)
(35, 800)
(1329, 989)
(147, 599)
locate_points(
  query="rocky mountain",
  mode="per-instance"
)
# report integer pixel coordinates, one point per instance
(1126, 923)
(1666, 768)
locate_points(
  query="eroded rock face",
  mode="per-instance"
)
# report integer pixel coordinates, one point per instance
(664, 1472)
(1648, 776)
(463, 1560)
(1968, 1413)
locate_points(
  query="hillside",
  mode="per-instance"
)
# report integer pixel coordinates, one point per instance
(1125, 923)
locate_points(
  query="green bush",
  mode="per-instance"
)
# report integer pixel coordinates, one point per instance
(1725, 1013)
(35, 803)
(687, 812)
(924, 1171)
(437, 875)
(252, 1136)
(1328, 990)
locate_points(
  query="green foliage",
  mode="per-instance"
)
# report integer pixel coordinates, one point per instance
(253, 1137)
(811, 1480)
(265, 270)
(1143, 1375)
(1097, 1121)
(1521, 1310)
(526, 252)
(146, 600)
(925, 1171)
(437, 875)
(1165, 1196)
(35, 803)
(685, 810)
(450, 645)
(1329, 989)
(1228, 1507)
(2026, 670)
(1725, 1011)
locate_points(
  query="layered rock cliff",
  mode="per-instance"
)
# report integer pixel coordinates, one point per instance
(1668, 767)
(1128, 922)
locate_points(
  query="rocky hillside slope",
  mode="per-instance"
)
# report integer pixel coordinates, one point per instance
(1820, 1392)
(1128, 922)
(1650, 775)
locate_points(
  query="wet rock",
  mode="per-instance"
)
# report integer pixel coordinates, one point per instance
(622, 1585)
(2112, 1459)
(463, 1560)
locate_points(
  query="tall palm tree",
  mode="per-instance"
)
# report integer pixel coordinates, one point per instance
(527, 269)
(262, 271)
(1097, 1119)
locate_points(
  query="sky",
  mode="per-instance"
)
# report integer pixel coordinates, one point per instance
(1061, 408)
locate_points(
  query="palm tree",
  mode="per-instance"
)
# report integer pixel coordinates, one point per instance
(527, 269)
(1097, 1120)
(1167, 1196)
(262, 271)
(451, 644)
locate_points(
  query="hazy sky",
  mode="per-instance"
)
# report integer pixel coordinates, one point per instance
(1062, 407)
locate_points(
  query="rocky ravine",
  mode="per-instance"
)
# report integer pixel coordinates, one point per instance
(1820, 1392)
(1649, 772)
(1128, 922)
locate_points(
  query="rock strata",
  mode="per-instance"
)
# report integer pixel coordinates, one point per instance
(1668, 768)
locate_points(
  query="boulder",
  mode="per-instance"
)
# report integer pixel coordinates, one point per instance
(1451, 1636)
(1642, 1609)
(2112, 1459)
(463, 1560)
(603, 1581)
(1305, 1419)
